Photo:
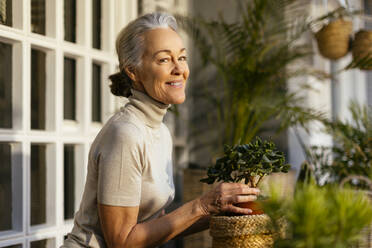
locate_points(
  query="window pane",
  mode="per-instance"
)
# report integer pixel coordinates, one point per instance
(38, 184)
(69, 98)
(69, 181)
(5, 85)
(5, 187)
(45, 243)
(37, 89)
(139, 7)
(14, 246)
(368, 7)
(70, 20)
(6, 12)
(96, 93)
(38, 16)
(96, 23)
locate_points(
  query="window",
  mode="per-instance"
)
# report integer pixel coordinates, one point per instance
(96, 93)
(42, 187)
(368, 7)
(6, 12)
(44, 243)
(5, 85)
(69, 181)
(70, 20)
(38, 16)
(48, 115)
(6, 187)
(10, 187)
(38, 184)
(14, 246)
(69, 89)
(38, 84)
(140, 7)
(96, 24)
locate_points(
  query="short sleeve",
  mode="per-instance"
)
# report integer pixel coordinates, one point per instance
(120, 166)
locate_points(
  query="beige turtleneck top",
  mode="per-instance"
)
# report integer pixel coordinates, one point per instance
(130, 164)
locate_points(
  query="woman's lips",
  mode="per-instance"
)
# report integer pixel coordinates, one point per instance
(175, 84)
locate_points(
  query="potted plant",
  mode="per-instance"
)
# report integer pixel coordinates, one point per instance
(249, 164)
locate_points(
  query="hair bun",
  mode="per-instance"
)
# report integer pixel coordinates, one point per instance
(121, 84)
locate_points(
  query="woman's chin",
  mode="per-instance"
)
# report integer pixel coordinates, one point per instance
(177, 100)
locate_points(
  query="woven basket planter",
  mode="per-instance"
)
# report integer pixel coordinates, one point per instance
(362, 46)
(249, 231)
(333, 39)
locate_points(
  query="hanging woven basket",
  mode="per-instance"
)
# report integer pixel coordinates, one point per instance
(249, 231)
(333, 39)
(362, 47)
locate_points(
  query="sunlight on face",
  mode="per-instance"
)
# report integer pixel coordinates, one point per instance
(164, 69)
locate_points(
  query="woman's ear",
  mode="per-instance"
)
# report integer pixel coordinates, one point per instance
(134, 76)
(130, 71)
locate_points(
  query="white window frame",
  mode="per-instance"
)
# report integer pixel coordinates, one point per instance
(115, 14)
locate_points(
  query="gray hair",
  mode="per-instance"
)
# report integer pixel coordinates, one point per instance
(130, 48)
(130, 40)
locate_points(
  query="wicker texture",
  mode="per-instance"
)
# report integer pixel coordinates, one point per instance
(362, 46)
(333, 39)
(249, 231)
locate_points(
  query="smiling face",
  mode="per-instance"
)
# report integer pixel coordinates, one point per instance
(164, 68)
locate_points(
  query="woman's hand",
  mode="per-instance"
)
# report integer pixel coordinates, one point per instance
(223, 197)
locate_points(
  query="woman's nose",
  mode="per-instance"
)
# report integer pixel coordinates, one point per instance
(178, 69)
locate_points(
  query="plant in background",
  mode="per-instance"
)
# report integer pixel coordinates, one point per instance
(318, 217)
(351, 153)
(247, 163)
(253, 58)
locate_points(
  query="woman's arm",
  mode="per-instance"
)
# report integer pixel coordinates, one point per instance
(120, 227)
(201, 225)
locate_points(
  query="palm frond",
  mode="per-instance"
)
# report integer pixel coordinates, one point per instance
(362, 62)
(252, 57)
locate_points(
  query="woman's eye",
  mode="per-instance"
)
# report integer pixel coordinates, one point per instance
(163, 60)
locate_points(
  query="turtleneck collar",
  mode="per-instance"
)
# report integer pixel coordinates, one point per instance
(150, 111)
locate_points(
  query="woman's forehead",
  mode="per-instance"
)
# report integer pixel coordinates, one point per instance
(162, 39)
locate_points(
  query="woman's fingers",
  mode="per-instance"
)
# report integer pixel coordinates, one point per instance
(238, 189)
(235, 209)
(242, 198)
(233, 199)
(245, 191)
(227, 203)
(223, 197)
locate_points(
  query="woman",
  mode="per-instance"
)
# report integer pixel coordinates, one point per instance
(129, 181)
